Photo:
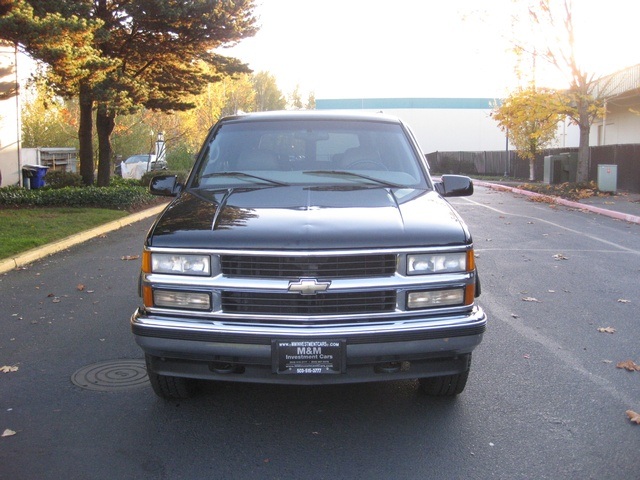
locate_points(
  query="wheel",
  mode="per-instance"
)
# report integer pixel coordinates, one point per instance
(445, 386)
(167, 387)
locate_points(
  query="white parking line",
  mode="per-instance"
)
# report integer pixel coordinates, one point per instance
(562, 227)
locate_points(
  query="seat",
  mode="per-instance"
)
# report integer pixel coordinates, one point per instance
(362, 158)
(256, 159)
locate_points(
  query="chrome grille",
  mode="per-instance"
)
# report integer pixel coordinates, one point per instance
(329, 266)
(320, 304)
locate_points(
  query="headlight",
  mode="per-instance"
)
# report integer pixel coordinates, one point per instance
(427, 263)
(179, 264)
(435, 298)
(184, 300)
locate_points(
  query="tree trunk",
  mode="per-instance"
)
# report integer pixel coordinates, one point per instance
(105, 123)
(582, 174)
(85, 132)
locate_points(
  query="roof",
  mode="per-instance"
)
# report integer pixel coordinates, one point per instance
(619, 84)
(402, 103)
(288, 115)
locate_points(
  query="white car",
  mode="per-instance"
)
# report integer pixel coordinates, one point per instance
(137, 165)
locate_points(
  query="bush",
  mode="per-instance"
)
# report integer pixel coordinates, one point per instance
(123, 197)
(570, 191)
(180, 158)
(61, 179)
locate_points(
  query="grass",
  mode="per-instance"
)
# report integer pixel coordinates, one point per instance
(26, 228)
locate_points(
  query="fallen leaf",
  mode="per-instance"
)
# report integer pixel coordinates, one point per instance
(629, 365)
(607, 330)
(530, 299)
(56, 300)
(633, 416)
(8, 368)
(622, 300)
(8, 433)
(80, 287)
(559, 256)
(130, 257)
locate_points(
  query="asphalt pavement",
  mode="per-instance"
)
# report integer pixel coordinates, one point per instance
(545, 399)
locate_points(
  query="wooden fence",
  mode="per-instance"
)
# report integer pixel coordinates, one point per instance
(509, 164)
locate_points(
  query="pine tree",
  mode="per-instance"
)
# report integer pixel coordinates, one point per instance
(117, 56)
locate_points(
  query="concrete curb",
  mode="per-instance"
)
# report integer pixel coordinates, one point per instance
(30, 256)
(561, 201)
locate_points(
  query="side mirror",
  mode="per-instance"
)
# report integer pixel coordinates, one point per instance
(454, 186)
(165, 185)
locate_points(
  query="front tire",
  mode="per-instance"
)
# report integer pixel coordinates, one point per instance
(445, 385)
(167, 387)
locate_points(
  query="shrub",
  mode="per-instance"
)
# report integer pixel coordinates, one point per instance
(180, 158)
(123, 197)
(60, 179)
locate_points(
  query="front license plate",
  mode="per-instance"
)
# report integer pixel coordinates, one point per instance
(302, 357)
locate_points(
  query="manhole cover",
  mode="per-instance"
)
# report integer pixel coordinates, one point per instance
(112, 375)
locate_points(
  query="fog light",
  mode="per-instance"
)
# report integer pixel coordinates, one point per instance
(435, 298)
(184, 300)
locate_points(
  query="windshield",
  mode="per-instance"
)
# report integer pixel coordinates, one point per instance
(308, 152)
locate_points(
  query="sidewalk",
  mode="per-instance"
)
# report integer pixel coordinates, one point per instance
(622, 206)
(29, 256)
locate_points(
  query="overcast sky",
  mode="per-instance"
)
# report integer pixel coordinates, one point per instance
(422, 48)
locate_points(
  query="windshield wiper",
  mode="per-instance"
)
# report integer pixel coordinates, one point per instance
(342, 173)
(244, 175)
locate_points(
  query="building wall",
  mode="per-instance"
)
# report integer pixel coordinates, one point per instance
(446, 124)
(622, 126)
(9, 118)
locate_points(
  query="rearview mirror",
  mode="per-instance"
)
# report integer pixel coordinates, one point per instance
(165, 185)
(454, 186)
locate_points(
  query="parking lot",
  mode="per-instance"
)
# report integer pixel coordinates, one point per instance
(544, 398)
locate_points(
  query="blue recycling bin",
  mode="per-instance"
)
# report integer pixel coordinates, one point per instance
(35, 174)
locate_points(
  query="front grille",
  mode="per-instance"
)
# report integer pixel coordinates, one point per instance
(329, 266)
(320, 304)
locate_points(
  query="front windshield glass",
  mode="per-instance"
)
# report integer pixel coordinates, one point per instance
(308, 152)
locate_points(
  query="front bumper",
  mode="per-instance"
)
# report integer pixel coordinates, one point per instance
(411, 348)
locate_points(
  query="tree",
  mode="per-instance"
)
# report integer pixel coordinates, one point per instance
(125, 55)
(48, 120)
(267, 94)
(583, 103)
(530, 119)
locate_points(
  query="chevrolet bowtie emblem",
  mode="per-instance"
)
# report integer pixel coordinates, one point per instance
(308, 286)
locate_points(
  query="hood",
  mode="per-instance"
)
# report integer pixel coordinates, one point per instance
(301, 218)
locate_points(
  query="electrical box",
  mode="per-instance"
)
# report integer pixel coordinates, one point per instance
(607, 178)
(560, 168)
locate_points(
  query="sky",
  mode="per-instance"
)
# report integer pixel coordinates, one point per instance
(424, 48)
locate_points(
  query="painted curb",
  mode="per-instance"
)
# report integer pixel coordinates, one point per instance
(30, 256)
(561, 201)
